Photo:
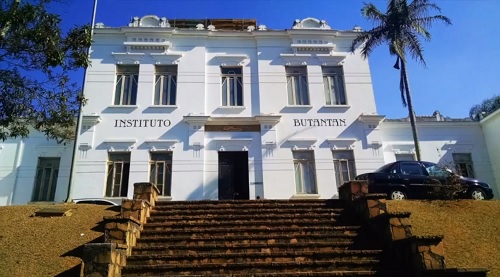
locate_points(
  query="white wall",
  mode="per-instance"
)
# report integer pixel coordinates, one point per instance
(490, 126)
(201, 54)
(18, 163)
(263, 56)
(438, 140)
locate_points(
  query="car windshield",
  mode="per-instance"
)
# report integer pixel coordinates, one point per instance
(435, 170)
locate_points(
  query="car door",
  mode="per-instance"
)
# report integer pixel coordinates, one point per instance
(383, 181)
(414, 178)
(437, 176)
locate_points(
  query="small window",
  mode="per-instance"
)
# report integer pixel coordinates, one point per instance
(296, 83)
(165, 85)
(305, 172)
(333, 82)
(126, 84)
(160, 172)
(405, 157)
(463, 164)
(343, 163)
(232, 86)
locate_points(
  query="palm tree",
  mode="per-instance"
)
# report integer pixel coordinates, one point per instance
(400, 27)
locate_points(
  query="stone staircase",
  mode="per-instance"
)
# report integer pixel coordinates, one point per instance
(353, 236)
(250, 238)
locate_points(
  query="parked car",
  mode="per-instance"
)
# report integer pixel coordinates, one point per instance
(97, 201)
(419, 180)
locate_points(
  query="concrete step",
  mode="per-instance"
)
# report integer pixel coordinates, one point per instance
(285, 256)
(289, 274)
(267, 247)
(156, 217)
(247, 204)
(244, 239)
(167, 210)
(294, 222)
(293, 274)
(251, 230)
(149, 231)
(251, 267)
(260, 201)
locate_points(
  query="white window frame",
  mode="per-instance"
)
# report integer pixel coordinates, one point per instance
(305, 173)
(403, 156)
(297, 85)
(344, 166)
(232, 86)
(127, 77)
(165, 85)
(165, 164)
(462, 164)
(116, 168)
(334, 85)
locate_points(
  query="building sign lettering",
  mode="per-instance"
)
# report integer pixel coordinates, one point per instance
(232, 128)
(128, 123)
(318, 122)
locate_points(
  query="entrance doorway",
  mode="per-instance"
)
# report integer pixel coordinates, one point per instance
(233, 175)
(47, 172)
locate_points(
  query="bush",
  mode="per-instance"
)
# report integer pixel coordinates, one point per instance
(450, 189)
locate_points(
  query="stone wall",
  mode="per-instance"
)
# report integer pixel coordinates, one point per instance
(120, 234)
(390, 231)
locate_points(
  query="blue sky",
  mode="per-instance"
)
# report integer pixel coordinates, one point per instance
(462, 59)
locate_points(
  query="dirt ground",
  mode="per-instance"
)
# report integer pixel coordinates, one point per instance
(47, 246)
(51, 246)
(471, 229)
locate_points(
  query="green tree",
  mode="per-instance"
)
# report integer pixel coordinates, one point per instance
(400, 28)
(488, 106)
(36, 58)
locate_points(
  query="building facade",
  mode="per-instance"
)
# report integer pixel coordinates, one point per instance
(225, 109)
(211, 113)
(34, 169)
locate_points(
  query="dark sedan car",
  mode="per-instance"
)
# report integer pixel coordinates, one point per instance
(412, 179)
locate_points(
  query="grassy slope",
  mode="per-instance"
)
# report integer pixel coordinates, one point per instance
(471, 229)
(32, 246)
(37, 246)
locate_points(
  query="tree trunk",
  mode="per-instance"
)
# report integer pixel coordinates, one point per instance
(411, 112)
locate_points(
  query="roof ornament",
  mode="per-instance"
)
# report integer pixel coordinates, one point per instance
(311, 23)
(357, 29)
(149, 21)
(164, 22)
(134, 22)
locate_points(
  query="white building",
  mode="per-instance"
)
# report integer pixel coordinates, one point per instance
(224, 109)
(455, 143)
(34, 169)
(490, 126)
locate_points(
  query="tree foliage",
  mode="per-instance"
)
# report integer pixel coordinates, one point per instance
(401, 28)
(488, 106)
(36, 58)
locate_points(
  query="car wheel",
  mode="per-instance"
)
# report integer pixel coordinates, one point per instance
(477, 194)
(397, 194)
